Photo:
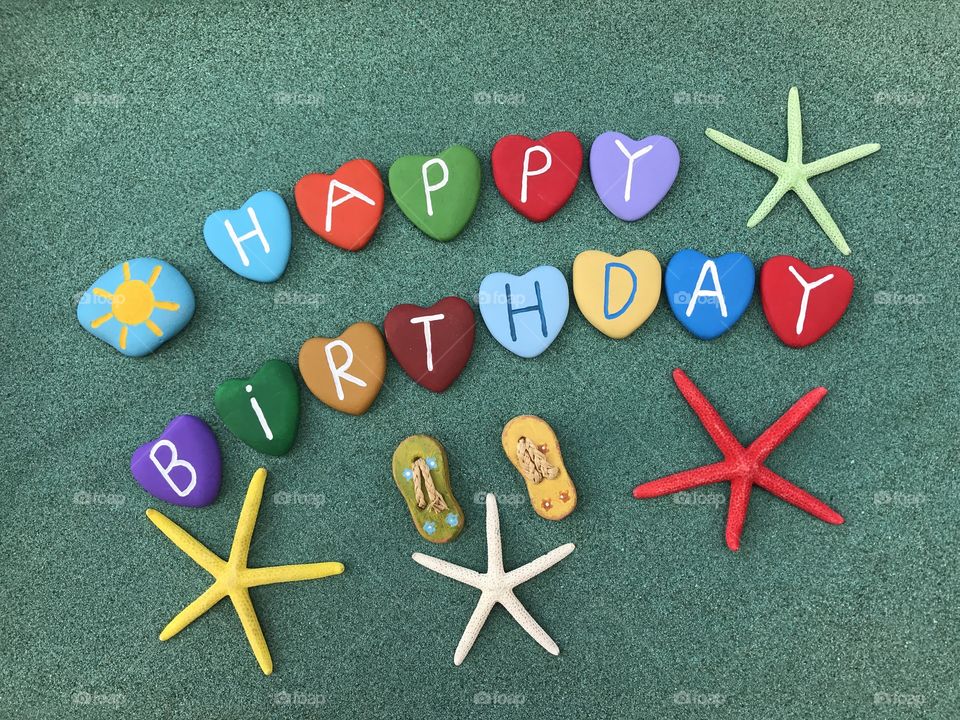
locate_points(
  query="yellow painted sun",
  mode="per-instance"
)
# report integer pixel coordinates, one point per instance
(133, 303)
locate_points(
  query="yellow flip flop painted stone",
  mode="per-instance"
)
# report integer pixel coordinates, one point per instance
(422, 474)
(617, 294)
(532, 447)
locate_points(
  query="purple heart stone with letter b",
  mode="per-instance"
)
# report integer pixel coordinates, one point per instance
(632, 176)
(182, 466)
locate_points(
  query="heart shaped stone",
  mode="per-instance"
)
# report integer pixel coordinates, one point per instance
(709, 295)
(802, 303)
(537, 177)
(526, 313)
(137, 306)
(181, 466)
(357, 186)
(432, 344)
(633, 176)
(438, 194)
(262, 410)
(616, 294)
(254, 240)
(345, 372)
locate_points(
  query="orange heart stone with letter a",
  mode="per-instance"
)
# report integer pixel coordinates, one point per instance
(345, 372)
(357, 187)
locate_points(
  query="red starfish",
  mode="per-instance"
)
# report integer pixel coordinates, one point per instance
(743, 467)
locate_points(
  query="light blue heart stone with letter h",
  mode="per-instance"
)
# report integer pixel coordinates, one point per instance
(525, 313)
(254, 240)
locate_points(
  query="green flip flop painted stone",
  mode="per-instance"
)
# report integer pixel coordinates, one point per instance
(438, 194)
(422, 474)
(262, 410)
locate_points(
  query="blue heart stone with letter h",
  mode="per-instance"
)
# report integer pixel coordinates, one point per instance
(525, 313)
(254, 240)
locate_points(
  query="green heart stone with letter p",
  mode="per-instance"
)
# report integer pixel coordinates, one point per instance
(438, 194)
(262, 410)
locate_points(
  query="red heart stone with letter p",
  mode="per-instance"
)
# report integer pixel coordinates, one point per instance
(802, 303)
(537, 177)
(343, 208)
(431, 344)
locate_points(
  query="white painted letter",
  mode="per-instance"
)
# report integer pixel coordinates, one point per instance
(699, 292)
(526, 168)
(267, 432)
(426, 320)
(807, 287)
(631, 158)
(340, 372)
(427, 187)
(331, 203)
(238, 241)
(175, 462)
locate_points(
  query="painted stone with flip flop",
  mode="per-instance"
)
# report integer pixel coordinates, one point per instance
(422, 474)
(345, 372)
(633, 176)
(616, 294)
(262, 410)
(525, 313)
(532, 448)
(537, 177)
(801, 303)
(356, 185)
(137, 306)
(254, 240)
(432, 344)
(182, 466)
(708, 295)
(438, 194)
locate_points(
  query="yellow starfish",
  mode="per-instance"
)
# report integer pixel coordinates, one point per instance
(232, 577)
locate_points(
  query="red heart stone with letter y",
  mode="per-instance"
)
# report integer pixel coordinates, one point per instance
(432, 344)
(803, 303)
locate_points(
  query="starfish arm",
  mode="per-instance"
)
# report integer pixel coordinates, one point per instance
(781, 188)
(737, 511)
(535, 567)
(821, 215)
(770, 438)
(194, 549)
(526, 621)
(494, 548)
(470, 633)
(251, 626)
(832, 162)
(787, 491)
(794, 128)
(685, 480)
(210, 597)
(248, 518)
(454, 572)
(709, 417)
(253, 577)
(750, 154)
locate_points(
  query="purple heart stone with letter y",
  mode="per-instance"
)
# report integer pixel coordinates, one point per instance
(182, 465)
(632, 176)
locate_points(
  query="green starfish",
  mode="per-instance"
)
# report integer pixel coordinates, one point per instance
(793, 173)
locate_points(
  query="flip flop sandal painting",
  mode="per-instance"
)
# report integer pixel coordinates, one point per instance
(422, 474)
(531, 445)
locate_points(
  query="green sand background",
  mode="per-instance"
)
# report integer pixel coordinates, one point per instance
(125, 125)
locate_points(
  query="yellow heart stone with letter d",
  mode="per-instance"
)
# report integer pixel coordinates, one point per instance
(617, 294)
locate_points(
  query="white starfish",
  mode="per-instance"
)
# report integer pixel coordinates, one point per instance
(497, 586)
